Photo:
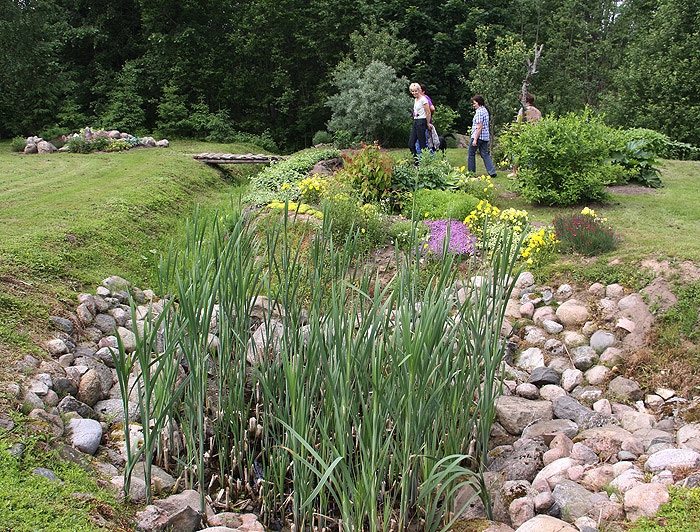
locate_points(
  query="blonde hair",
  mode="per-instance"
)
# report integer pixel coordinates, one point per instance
(413, 86)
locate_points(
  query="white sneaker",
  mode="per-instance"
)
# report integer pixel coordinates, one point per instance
(512, 174)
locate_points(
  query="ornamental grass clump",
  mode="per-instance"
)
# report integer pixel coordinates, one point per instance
(584, 233)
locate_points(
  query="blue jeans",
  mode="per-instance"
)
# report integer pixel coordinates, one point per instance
(419, 139)
(483, 147)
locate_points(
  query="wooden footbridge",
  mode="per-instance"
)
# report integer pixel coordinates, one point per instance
(233, 158)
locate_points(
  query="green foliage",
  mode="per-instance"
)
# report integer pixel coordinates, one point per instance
(405, 234)
(350, 218)
(638, 162)
(279, 181)
(370, 103)
(478, 186)
(663, 146)
(322, 137)
(432, 172)
(445, 119)
(440, 205)
(344, 139)
(90, 143)
(31, 502)
(125, 105)
(498, 76)
(584, 233)
(118, 145)
(369, 172)
(18, 143)
(380, 42)
(562, 160)
(683, 317)
(680, 514)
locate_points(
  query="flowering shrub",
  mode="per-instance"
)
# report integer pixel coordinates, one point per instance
(301, 208)
(585, 233)
(405, 234)
(279, 181)
(461, 241)
(478, 186)
(312, 189)
(118, 145)
(432, 172)
(539, 246)
(348, 213)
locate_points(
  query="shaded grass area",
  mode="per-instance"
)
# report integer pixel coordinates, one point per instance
(69, 220)
(32, 503)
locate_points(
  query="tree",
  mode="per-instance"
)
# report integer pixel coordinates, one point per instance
(498, 75)
(370, 103)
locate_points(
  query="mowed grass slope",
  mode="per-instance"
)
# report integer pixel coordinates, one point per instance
(69, 220)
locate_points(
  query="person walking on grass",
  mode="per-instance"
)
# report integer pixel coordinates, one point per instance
(421, 116)
(480, 137)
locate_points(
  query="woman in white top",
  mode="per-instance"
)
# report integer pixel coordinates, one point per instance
(421, 117)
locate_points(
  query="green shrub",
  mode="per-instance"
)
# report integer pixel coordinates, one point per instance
(478, 186)
(78, 145)
(322, 137)
(343, 139)
(584, 233)
(663, 146)
(405, 234)
(349, 215)
(18, 144)
(638, 160)
(432, 172)
(440, 205)
(563, 160)
(118, 145)
(369, 171)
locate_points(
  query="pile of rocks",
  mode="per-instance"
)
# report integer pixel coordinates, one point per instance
(574, 442)
(36, 144)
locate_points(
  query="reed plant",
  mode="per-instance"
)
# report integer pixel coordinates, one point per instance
(364, 406)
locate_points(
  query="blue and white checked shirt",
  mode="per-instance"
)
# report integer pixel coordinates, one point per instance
(481, 115)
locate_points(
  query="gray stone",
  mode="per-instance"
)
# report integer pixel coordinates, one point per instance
(534, 335)
(128, 339)
(571, 378)
(596, 289)
(543, 375)
(611, 356)
(584, 357)
(179, 512)
(32, 401)
(104, 355)
(546, 523)
(115, 283)
(614, 291)
(56, 347)
(45, 147)
(161, 482)
(568, 408)
(573, 338)
(62, 324)
(597, 375)
(86, 434)
(673, 460)
(105, 323)
(516, 413)
(587, 394)
(543, 313)
(563, 292)
(601, 340)
(53, 368)
(550, 392)
(112, 411)
(554, 346)
(625, 389)
(527, 390)
(552, 327)
(71, 404)
(574, 500)
(554, 426)
(90, 389)
(106, 377)
(47, 474)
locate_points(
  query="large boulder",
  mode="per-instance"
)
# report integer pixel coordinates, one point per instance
(516, 413)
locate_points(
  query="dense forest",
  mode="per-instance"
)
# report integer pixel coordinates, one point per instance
(281, 69)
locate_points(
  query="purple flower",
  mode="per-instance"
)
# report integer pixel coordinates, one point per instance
(461, 241)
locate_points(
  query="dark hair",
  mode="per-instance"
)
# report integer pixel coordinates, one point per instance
(529, 98)
(423, 87)
(478, 98)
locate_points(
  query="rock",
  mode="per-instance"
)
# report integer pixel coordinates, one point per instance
(634, 421)
(645, 500)
(521, 510)
(614, 291)
(659, 294)
(550, 392)
(596, 289)
(106, 377)
(112, 411)
(534, 335)
(611, 356)
(545, 523)
(552, 427)
(543, 375)
(264, 342)
(6, 423)
(45, 147)
(128, 339)
(530, 359)
(673, 460)
(584, 357)
(71, 404)
(516, 413)
(574, 500)
(571, 378)
(601, 340)
(527, 390)
(47, 474)
(521, 461)
(606, 441)
(137, 488)
(688, 437)
(32, 401)
(526, 310)
(161, 482)
(555, 472)
(52, 368)
(564, 292)
(554, 346)
(163, 143)
(573, 338)
(179, 512)
(62, 324)
(624, 388)
(56, 347)
(105, 323)
(587, 394)
(568, 408)
(525, 280)
(552, 327)
(86, 434)
(598, 478)
(90, 389)
(602, 406)
(572, 312)
(30, 148)
(597, 375)
(115, 284)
